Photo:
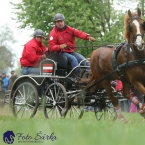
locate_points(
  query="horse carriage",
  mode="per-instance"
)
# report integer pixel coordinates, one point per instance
(63, 96)
(58, 91)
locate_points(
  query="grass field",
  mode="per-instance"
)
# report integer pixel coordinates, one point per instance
(86, 131)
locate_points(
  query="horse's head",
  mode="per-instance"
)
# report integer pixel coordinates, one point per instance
(136, 27)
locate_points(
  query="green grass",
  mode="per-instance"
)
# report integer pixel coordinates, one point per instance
(86, 131)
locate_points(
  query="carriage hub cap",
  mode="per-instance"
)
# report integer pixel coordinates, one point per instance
(54, 103)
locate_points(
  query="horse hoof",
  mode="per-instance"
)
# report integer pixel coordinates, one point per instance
(142, 113)
(122, 119)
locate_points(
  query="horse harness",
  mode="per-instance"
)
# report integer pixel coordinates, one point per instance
(127, 64)
(119, 68)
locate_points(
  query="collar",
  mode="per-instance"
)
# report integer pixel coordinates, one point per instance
(64, 28)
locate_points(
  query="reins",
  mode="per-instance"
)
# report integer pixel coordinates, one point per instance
(92, 46)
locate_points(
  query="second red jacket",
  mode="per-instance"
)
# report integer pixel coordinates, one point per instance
(32, 53)
(66, 36)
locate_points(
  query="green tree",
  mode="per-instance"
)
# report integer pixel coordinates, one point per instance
(141, 5)
(92, 16)
(6, 56)
(6, 36)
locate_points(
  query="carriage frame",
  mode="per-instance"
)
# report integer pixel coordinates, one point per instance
(64, 97)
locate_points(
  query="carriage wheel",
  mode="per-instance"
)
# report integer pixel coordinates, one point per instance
(107, 113)
(55, 101)
(25, 101)
(76, 108)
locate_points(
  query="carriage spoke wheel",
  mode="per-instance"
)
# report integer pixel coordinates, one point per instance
(25, 101)
(76, 108)
(55, 101)
(107, 113)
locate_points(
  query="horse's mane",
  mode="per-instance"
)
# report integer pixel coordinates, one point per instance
(126, 20)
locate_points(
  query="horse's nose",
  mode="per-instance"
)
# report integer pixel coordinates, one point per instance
(139, 41)
(140, 45)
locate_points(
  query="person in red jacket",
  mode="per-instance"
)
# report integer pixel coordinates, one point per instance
(33, 53)
(62, 39)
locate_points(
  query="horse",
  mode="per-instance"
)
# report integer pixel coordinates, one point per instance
(128, 60)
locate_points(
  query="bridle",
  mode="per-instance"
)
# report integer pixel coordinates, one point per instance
(130, 30)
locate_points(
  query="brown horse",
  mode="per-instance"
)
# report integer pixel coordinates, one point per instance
(101, 62)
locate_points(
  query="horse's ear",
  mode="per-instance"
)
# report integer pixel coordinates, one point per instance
(129, 14)
(139, 12)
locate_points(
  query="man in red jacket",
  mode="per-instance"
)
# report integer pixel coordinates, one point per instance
(33, 53)
(62, 39)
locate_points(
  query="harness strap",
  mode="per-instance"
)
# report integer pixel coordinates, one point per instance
(114, 59)
(114, 55)
(119, 68)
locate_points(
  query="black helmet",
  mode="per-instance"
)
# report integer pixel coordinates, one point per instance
(39, 32)
(58, 17)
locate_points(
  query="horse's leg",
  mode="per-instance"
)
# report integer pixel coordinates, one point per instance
(107, 86)
(126, 94)
(133, 99)
(141, 89)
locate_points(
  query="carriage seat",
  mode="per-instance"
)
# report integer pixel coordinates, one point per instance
(61, 60)
(56, 64)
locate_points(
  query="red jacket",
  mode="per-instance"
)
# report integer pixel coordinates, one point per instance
(66, 36)
(32, 53)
